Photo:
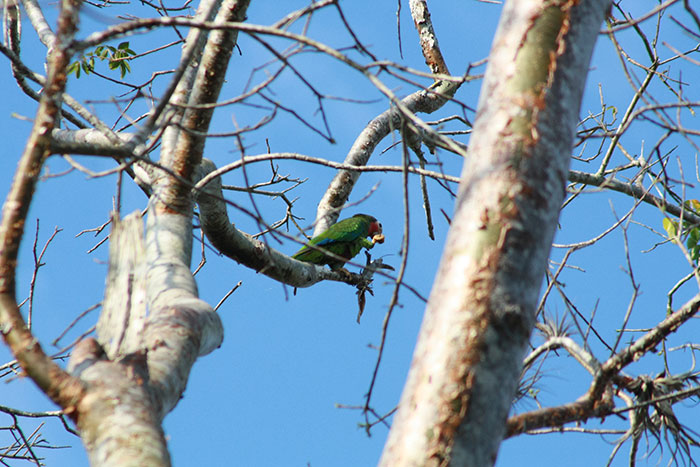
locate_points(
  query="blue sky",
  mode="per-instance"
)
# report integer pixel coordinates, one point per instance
(269, 395)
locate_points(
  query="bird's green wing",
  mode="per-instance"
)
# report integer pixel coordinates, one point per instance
(346, 230)
(343, 239)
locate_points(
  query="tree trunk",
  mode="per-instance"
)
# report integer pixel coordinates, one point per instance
(481, 310)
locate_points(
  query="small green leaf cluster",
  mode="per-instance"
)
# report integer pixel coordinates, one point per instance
(690, 233)
(118, 59)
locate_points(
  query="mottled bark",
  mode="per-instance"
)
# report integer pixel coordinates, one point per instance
(482, 308)
(124, 306)
(118, 422)
(149, 357)
(119, 389)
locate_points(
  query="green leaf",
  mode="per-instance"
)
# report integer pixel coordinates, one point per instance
(693, 238)
(117, 58)
(88, 65)
(693, 204)
(74, 68)
(695, 253)
(670, 227)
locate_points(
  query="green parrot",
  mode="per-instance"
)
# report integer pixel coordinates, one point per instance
(345, 239)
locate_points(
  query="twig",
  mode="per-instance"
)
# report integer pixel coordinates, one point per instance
(395, 295)
(37, 265)
(228, 294)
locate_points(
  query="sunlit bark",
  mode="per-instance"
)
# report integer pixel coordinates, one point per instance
(482, 307)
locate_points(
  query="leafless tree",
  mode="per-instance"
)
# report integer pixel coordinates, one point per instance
(531, 156)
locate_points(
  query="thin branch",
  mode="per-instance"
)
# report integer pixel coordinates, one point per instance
(37, 264)
(55, 382)
(594, 403)
(395, 295)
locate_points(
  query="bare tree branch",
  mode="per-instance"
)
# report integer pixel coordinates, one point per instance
(56, 383)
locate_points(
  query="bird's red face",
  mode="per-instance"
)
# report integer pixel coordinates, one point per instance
(375, 228)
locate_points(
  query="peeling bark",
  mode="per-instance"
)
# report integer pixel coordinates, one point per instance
(118, 394)
(482, 308)
(127, 433)
(124, 306)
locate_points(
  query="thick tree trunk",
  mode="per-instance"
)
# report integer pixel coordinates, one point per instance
(482, 307)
